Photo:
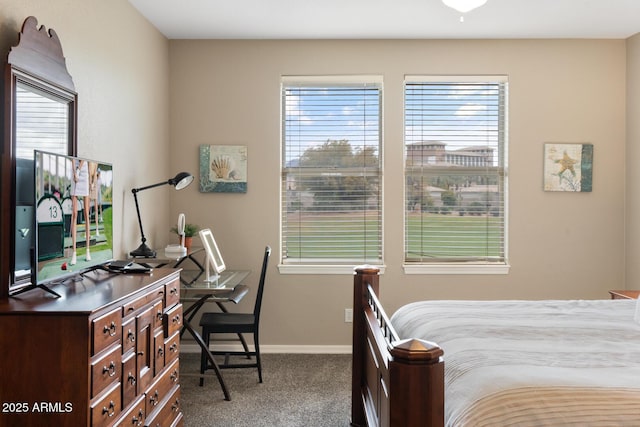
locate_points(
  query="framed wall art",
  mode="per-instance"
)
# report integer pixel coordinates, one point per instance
(568, 167)
(223, 169)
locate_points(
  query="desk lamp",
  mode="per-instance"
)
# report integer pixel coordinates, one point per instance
(180, 181)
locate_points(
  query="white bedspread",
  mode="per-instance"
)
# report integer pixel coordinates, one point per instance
(533, 363)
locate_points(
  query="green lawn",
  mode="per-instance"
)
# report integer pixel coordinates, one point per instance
(340, 236)
(347, 236)
(453, 236)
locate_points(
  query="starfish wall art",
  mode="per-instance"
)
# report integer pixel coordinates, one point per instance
(568, 167)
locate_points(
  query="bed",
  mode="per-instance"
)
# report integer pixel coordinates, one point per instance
(524, 363)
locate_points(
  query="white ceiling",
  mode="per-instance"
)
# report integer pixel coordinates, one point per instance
(389, 19)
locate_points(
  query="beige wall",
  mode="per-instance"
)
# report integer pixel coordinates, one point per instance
(146, 104)
(632, 233)
(560, 245)
(120, 67)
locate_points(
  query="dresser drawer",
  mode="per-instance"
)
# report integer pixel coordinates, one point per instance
(159, 349)
(158, 311)
(105, 370)
(105, 410)
(135, 415)
(129, 335)
(172, 348)
(129, 379)
(168, 412)
(106, 330)
(172, 293)
(161, 387)
(138, 303)
(173, 320)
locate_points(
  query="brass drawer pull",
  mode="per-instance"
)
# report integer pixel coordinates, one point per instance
(111, 329)
(153, 400)
(111, 410)
(137, 421)
(111, 369)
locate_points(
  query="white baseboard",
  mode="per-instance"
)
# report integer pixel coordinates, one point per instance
(264, 349)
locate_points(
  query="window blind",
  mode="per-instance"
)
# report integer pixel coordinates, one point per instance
(331, 210)
(42, 122)
(455, 169)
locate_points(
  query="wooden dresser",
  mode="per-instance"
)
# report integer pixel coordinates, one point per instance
(104, 354)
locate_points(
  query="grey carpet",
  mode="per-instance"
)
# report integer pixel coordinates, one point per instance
(298, 390)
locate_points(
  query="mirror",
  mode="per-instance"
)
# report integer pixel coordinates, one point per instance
(214, 257)
(40, 113)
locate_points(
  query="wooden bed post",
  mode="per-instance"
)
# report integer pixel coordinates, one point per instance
(395, 383)
(364, 275)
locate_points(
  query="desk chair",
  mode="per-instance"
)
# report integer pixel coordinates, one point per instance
(236, 323)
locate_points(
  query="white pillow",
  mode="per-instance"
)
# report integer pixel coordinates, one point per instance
(636, 317)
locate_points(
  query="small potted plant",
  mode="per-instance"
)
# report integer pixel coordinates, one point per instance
(190, 230)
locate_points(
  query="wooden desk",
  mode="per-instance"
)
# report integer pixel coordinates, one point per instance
(626, 294)
(199, 292)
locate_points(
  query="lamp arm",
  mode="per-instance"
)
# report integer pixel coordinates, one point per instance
(135, 198)
(135, 190)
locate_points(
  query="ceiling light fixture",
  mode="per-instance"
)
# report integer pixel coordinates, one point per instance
(464, 6)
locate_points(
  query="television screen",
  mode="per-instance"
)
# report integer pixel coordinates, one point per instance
(73, 210)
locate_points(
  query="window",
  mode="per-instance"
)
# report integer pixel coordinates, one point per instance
(455, 174)
(331, 204)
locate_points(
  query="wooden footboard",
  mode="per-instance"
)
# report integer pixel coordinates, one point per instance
(394, 383)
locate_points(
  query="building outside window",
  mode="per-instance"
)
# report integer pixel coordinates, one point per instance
(455, 174)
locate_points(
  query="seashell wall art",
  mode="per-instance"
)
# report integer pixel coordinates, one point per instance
(223, 169)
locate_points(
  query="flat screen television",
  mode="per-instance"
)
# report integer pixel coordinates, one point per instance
(73, 216)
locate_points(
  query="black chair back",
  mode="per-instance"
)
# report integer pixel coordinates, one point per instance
(263, 276)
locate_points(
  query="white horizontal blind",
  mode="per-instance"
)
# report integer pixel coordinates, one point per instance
(455, 169)
(331, 211)
(42, 122)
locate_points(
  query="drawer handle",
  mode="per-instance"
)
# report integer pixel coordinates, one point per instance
(173, 291)
(176, 406)
(153, 400)
(176, 319)
(111, 369)
(173, 347)
(111, 329)
(139, 419)
(131, 337)
(111, 410)
(159, 315)
(160, 351)
(131, 379)
(174, 376)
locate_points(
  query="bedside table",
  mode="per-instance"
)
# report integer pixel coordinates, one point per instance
(624, 294)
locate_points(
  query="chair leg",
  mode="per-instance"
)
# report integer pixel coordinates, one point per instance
(244, 345)
(258, 362)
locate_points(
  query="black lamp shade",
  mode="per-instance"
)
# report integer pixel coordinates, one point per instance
(181, 180)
